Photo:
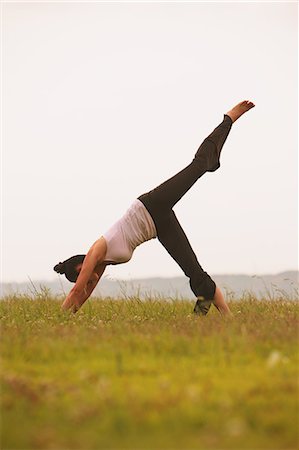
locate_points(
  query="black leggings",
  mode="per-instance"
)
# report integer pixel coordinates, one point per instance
(160, 201)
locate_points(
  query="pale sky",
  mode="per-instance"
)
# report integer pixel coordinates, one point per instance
(101, 102)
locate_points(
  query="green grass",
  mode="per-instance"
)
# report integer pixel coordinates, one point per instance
(137, 374)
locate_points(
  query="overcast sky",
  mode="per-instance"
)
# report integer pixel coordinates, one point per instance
(103, 101)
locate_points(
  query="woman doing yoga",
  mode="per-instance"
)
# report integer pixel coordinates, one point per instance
(151, 216)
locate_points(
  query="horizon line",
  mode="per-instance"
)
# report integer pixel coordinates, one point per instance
(253, 275)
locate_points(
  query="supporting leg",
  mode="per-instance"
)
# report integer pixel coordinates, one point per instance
(220, 304)
(173, 238)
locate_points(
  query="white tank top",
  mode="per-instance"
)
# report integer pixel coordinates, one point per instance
(135, 227)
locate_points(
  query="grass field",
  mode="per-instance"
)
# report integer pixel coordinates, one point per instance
(137, 374)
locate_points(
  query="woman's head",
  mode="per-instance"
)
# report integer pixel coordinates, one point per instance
(70, 267)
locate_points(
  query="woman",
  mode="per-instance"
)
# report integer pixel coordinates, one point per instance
(151, 216)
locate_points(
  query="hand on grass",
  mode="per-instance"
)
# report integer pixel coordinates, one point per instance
(72, 301)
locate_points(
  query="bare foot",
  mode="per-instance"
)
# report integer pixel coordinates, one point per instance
(240, 109)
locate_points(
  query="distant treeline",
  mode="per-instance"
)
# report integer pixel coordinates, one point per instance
(281, 285)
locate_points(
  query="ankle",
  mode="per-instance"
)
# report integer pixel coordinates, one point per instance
(232, 115)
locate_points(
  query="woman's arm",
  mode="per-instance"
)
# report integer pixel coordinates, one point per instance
(95, 256)
(75, 300)
(89, 276)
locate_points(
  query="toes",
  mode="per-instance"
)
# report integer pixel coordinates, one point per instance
(249, 104)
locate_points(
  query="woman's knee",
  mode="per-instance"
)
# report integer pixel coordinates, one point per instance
(208, 155)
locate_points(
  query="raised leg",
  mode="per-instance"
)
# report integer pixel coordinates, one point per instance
(206, 159)
(241, 108)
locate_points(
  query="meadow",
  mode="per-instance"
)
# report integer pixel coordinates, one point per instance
(132, 374)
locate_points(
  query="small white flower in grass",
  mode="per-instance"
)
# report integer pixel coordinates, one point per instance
(274, 358)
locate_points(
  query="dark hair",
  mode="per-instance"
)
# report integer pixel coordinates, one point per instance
(68, 267)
